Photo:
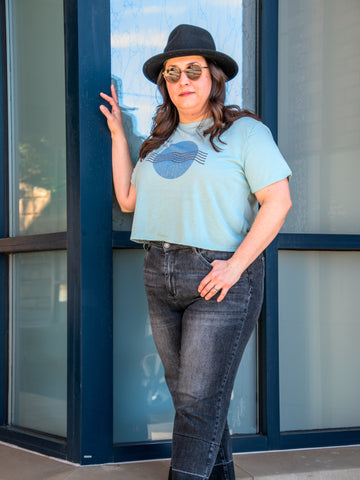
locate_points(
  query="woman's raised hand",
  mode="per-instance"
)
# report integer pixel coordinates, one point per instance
(114, 117)
(121, 159)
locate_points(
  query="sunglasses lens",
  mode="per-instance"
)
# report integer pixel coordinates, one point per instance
(193, 72)
(172, 75)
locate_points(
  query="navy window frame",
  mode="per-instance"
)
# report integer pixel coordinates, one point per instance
(269, 11)
(90, 241)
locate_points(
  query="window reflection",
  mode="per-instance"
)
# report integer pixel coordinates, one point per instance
(38, 189)
(38, 321)
(122, 221)
(142, 405)
(140, 29)
(319, 118)
(36, 84)
(318, 333)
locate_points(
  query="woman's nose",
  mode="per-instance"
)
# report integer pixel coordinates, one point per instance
(184, 79)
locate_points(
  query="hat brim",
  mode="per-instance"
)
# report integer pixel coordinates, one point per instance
(153, 66)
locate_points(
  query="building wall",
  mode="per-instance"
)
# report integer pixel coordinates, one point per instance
(73, 318)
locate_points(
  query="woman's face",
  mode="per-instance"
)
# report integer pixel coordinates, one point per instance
(190, 97)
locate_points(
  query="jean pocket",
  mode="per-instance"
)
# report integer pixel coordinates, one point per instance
(208, 256)
(200, 254)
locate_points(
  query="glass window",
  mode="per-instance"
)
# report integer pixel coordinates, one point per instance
(38, 342)
(319, 117)
(243, 415)
(319, 340)
(142, 404)
(36, 87)
(141, 29)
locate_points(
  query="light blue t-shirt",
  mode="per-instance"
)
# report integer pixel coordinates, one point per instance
(186, 193)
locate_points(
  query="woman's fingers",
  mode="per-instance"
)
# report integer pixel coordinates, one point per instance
(112, 112)
(212, 289)
(105, 111)
(211, 292)
(107, 97)
(218, 281)
(209, 287)
(223, 294)
(114, 94)
(113, 99)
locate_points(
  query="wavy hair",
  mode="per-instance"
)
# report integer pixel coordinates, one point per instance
(166, 118)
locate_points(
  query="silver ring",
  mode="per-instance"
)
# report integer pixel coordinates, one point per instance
(215, 290)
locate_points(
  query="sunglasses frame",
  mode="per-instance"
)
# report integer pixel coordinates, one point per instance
(166, 77)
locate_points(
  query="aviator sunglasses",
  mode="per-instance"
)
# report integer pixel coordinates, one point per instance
(192, 71)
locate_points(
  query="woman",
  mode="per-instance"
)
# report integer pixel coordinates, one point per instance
(195, 192)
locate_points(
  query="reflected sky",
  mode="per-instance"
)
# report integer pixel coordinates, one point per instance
(139, 30)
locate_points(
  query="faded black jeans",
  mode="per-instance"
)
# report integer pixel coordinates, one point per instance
(200, 343)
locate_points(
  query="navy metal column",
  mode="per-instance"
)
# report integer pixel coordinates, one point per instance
(89, 198)
(269, 344)
(3, 231)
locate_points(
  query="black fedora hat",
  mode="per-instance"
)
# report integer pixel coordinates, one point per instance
(189, 40)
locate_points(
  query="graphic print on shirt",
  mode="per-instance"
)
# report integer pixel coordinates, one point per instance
(176, 159)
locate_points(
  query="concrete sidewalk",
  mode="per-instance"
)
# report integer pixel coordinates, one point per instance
(316, 464)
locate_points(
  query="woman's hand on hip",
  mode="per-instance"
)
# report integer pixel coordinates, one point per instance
(219, 281)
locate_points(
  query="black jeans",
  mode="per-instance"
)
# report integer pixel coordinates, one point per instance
(200, 343)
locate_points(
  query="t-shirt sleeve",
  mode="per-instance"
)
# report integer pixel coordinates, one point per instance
(264, 163)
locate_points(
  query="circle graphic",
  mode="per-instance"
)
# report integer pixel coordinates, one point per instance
(175, 160)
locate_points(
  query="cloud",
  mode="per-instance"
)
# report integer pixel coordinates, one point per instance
(133, 39)
(117, 6)
(225, 3)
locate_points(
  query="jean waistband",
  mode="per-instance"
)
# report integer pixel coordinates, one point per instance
(166, 245)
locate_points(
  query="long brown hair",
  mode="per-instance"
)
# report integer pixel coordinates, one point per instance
(166, 118)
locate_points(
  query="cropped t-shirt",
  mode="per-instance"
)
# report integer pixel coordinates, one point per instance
(189, 194)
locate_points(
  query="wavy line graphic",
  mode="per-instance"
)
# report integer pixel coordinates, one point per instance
(175, 160)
